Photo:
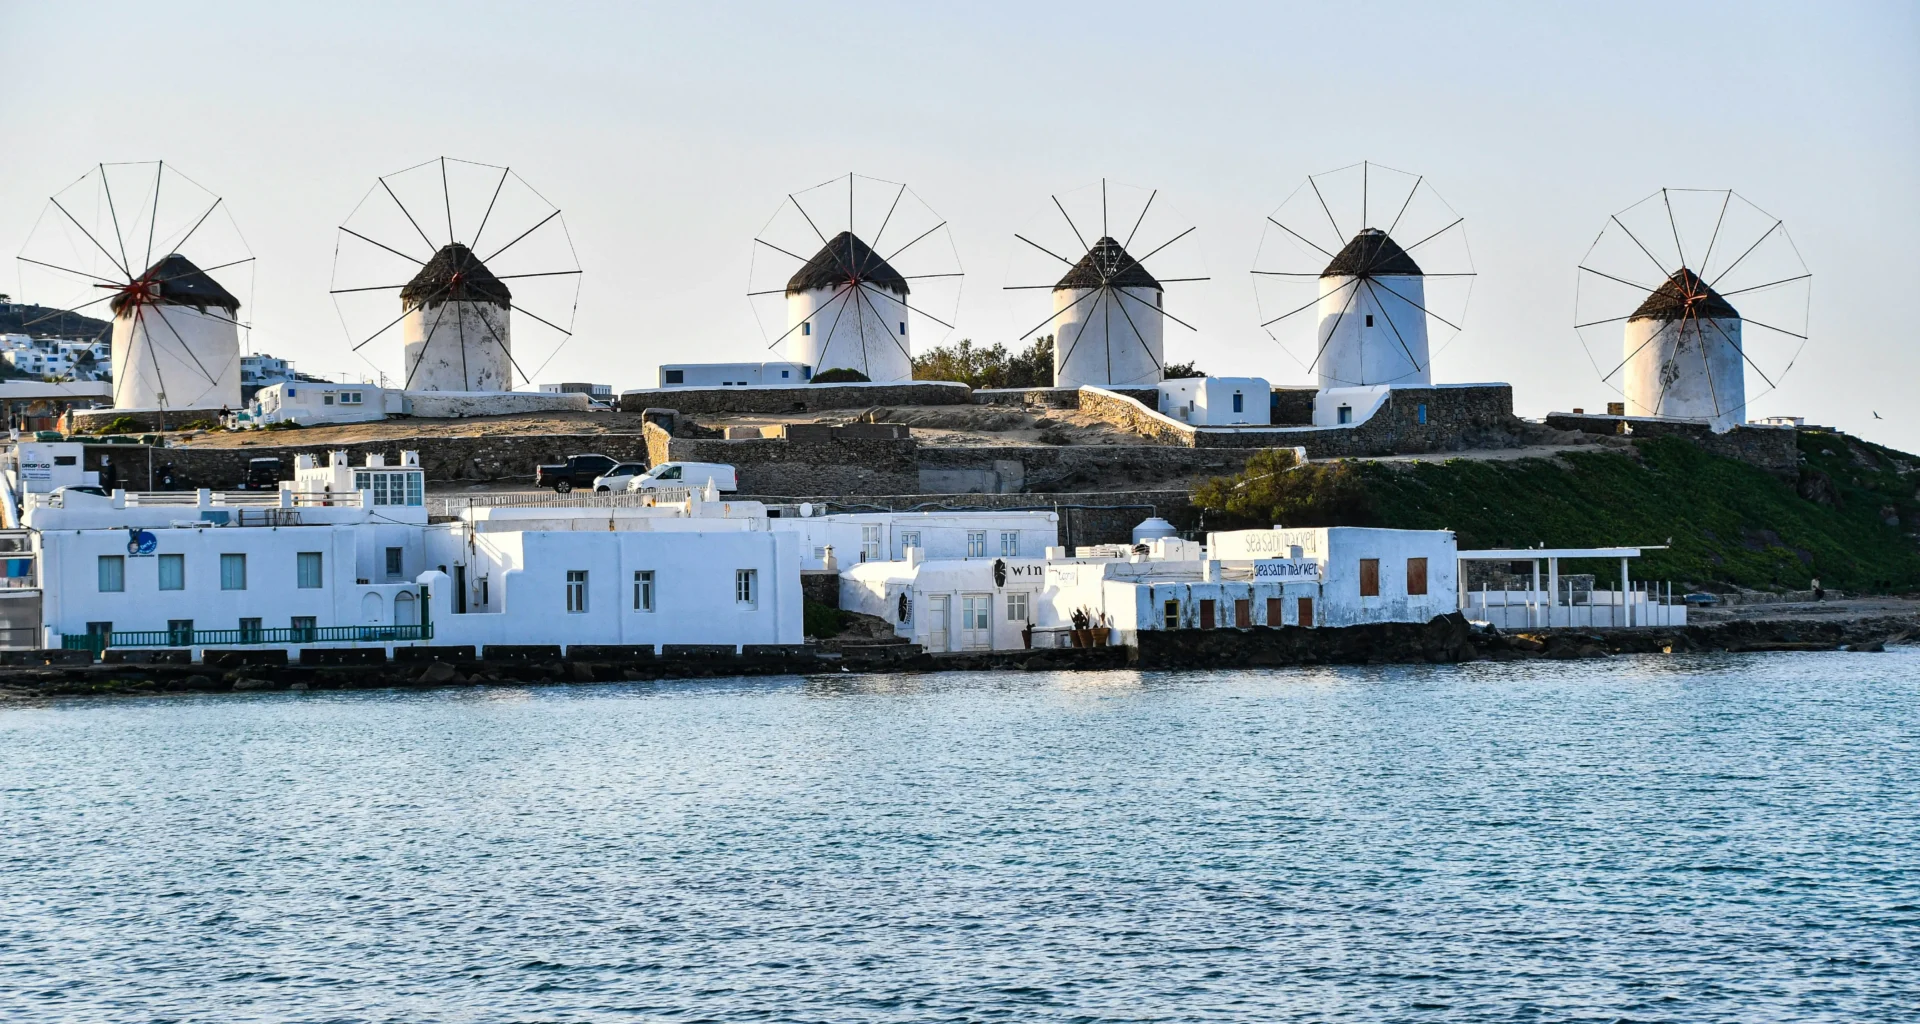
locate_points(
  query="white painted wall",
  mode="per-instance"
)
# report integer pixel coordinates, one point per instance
(1339, 550)
(867, 330)
(306, 402)
(1209, 401)
(694, 579)
(942, 535)
(1392, 349)
(1689, 369)
(706, 375)
(1360, 404)
(451, 346)
(1094, 343)
(876, 588)
(175, 357)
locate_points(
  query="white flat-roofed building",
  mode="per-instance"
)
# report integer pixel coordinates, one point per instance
(857, 537)
(720, 375)
(1218, 401)
(307, 402)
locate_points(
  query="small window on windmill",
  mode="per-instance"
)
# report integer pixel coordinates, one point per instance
(1369, 319)
(903, 328)
(806, 328)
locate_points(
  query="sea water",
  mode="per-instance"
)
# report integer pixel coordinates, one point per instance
(1706, 838)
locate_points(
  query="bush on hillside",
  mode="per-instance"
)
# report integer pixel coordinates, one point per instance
(840, 375)
(988, 366)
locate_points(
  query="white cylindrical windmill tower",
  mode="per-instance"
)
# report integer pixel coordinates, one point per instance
(1683, 356)
(456, 330)
(1108, 329)
(1373, 329)
(846, 309)
(176, 342)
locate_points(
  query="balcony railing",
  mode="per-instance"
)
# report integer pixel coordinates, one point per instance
(97, 642)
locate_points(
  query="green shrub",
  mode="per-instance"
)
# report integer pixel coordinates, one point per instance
(821, 620)
(840, 375)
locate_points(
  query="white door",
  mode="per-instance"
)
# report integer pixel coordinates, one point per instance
(936, 622)
(976, 622)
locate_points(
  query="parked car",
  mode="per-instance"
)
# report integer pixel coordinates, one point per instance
(617, 478)
(1702, 600)
(687, 474)
(577, 471)
(263, 474)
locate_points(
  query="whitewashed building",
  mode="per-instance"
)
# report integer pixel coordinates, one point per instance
(1373, 329)
(307, 402)
(176, 345)
(735, 375)
(1108, 328)
(1682, 352)
(858, 537)
(1218, 401)
(847, 309)
(457, 330)
(1333, 576)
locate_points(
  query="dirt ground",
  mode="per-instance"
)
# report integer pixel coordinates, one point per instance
(471, 426)
(1809, 611)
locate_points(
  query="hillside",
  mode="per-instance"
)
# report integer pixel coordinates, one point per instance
(47, 322)
(1851, 519)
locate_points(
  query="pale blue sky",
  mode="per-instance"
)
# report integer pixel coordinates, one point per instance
(669, 133)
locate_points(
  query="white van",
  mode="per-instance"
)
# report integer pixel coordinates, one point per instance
(687, 474)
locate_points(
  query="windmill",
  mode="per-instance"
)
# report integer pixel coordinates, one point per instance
(1109, 306)
(430, 250)
(1358, 271)
(881, 260)
(1664, 273)
(175, 328)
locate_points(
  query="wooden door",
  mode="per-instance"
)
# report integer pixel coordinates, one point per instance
(1206, 613)
(1243, 612)
(1274, 615)
(1416, 577)
(936, 622)
(976, 622)
(1306, 611)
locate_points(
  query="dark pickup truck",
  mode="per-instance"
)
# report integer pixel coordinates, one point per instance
(577, 471)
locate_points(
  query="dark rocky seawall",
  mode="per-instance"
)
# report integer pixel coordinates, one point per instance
(1448, 639)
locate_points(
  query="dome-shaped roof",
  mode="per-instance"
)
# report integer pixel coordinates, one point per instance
(1373, 254)
(1107, 263)
(177, 282)
(843, 260)
(1682, 296)
(455, 274)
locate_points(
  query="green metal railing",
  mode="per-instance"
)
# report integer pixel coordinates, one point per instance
(97, 642)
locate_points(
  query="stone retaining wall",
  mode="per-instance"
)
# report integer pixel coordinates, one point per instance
(1774, 449)
(777, 466)
(1456, 418)
(804, 398)
(1055, 398)
(1086, 467)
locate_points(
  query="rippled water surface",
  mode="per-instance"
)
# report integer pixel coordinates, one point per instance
(1636, 839)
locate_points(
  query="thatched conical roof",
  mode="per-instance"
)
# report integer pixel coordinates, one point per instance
(1685, 295)
(176, 281)
(455, 274)
(843, 260)
(1373, 254)
(1107, 263)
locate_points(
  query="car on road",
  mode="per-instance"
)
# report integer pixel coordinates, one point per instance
(617, 478)
(577, 471)
(687, 474)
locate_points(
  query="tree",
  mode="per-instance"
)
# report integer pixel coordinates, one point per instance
(1275, 490)
(840, 375)
(1179, 371)
(988, 367)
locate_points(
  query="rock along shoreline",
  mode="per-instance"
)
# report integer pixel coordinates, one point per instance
(36, 675)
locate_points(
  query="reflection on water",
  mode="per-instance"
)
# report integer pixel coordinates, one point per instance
(1677, 838)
